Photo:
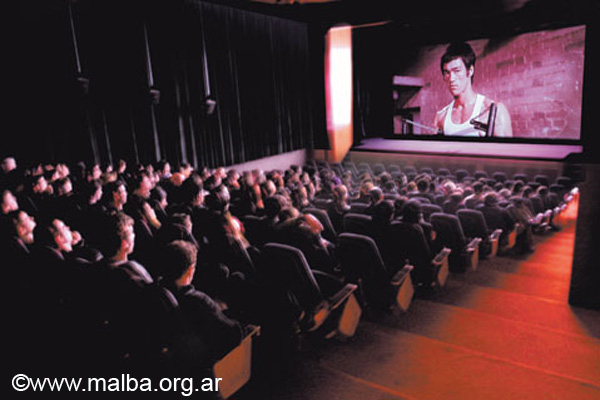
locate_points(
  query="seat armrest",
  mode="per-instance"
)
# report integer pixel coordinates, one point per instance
(441, 256)
(338, 299)
(496, 234)
(401, 275)
(473, 245)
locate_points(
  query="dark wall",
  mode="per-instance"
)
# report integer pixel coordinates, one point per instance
(257, 69)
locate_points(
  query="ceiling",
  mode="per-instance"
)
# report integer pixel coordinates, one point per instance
(421, 13)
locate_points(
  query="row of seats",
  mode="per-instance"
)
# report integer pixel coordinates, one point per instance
(281, 277)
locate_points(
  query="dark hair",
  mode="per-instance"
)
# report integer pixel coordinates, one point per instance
(411, 211)
(90, 188)
(158, 193)
(44, 232)
(180, 255)
(490, 199)
(113, 228)
(460, 50)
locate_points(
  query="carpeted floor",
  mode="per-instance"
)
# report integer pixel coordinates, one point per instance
(503, 331)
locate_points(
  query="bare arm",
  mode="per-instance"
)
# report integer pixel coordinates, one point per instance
(438, 122)
(503, 123)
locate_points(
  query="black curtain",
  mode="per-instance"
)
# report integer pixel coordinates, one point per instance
(372, 77)
(104, 80)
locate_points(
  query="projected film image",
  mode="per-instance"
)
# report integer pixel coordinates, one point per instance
(524, 86)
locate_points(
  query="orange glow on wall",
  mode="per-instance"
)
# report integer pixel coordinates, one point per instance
(338, 91)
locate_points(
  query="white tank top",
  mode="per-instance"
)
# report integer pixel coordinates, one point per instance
(464, 129)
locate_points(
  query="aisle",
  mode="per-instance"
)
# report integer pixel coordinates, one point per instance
(504, 331)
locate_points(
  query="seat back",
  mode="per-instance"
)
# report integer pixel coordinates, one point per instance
(409, 170)
(461, 174)
(499, 176)
(542, 179)
(329, 232)
(439, 199)
(358, 223)
(359, 257)
(255, 229)
(429, 209)
(521, 177)
(443, 172)
(363, 265)
(410, 244)
(538, 204)
(323, 204)
(422, 199)
(287, 267)
(473, 223)
(449, 234)
(480, 174)
(357, 207)
(474, 226)
(378, 168)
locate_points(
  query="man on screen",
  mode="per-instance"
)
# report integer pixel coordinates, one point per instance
(458, 69)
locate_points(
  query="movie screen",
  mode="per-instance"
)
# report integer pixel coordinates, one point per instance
(526, 87)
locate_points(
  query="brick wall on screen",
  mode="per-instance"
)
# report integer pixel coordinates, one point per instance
(538, 76)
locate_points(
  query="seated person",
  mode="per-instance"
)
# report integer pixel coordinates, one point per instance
(303, 231)
(497, 217)
(339, 207)
(412, 213)
(212, 334)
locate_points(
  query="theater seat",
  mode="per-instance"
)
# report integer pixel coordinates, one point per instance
(465, 254)
(358, 223)
(358, 207)
(474, 226)
(499, 176)
(323, 204)
(480, 174)
(329, 306)
(255, 229)
(542, 179)
(461, 174)
(429, 209)
(443, 172)
(393, 168)
(235, 368)
(378, 168)
(380, 287)
(408, 242)
(329, 232)
(521, 177)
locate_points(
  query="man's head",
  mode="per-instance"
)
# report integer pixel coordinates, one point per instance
(118, 235)
(412, 211)
(458, 67)
(116, 193)
(490, 199)
(182, 257)
(142, 184)
(23, 225)
(9, 202)
(54, 233)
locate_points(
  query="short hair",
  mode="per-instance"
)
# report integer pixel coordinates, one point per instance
(376, 194)
(158, 193)
(460, 50)
(490, 199)
(113, 229)
(90, 188)
(274, 204)
(44, 232)
(179, 255)
(411, 211)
